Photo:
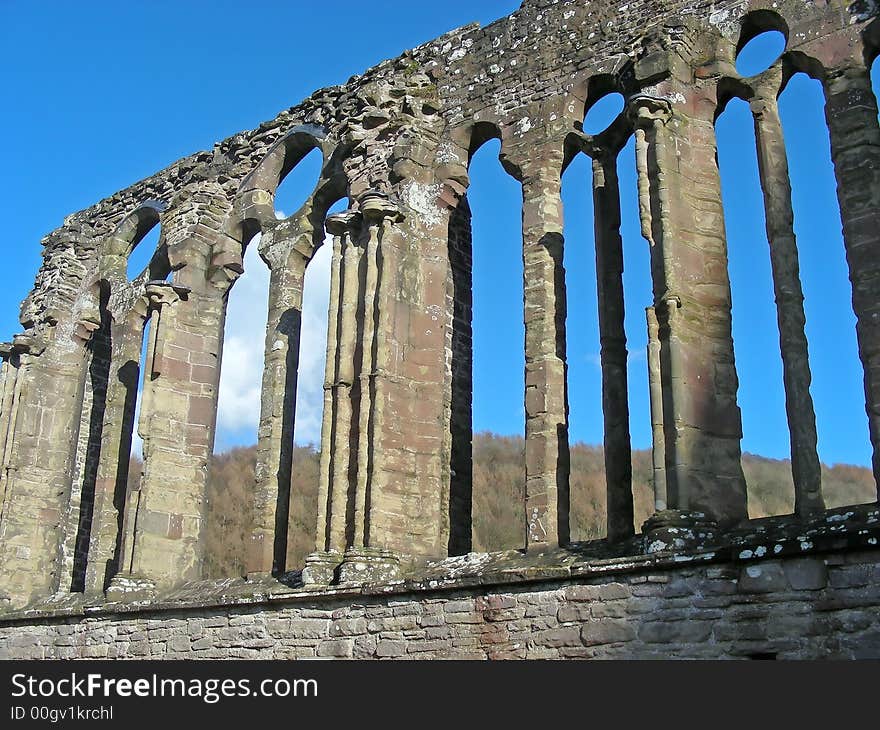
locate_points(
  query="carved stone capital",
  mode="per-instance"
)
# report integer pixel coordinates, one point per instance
(88, 323)
(161, 293)
(376, 208)
(646, 111)
(766, 90)
(25, 343)
(344, 223)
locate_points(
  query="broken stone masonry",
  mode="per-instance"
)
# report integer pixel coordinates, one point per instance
(86, 561)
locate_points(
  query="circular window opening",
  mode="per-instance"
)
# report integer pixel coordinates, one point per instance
(603, 112)
(760, 53)
(296, 187)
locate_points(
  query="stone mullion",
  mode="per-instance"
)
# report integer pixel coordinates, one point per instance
(546, 428)
(111, 484)
(330, 387)
(776, 186)
(655, 389)
(654, 213)
(132, 498)
(612, 335)
(851, 114)
(351, 290)
(363, 478)
(267, 548)
(383, 360)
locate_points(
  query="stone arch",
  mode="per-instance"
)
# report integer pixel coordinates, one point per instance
(624, 508)
(762, 92)
(759, 21)
(469, 139)
(111, 324)
(287, 246)
(128, 235)
(254, 202)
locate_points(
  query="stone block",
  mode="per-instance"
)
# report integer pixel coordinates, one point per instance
(338, 648)
(661, 632)
(607, 631)
(807, 574)
(388, 648)
(762, 577)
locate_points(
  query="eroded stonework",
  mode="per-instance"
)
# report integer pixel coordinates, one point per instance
(394, 502)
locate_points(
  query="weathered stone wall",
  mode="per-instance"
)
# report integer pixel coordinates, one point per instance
(796, 608)
(395, 487)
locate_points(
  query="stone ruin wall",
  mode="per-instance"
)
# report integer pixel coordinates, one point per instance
(801, 608)
(394, 500)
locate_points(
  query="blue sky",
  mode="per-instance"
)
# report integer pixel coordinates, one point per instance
(100, 95)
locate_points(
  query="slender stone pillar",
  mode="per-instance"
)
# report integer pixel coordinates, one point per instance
(330, 375)
(342, 504)
(655, 388)
(775, 183)
(612, 336)
(287, 254)
(547, 457)
(851, 114)
(9, 398)
(365, 410)
(321, 565)
(362, 558)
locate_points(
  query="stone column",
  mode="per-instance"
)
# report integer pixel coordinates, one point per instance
(365, 409)
(851, 114)
(345, 431)
(178, 413)
(682, 220)
(320, 566)
(776, 186)
(655, 388)
(546, 446)
(287, 253)
(612, 336)
(111, 484)
(362, 558)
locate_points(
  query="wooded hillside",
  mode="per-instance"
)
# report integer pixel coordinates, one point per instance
(498, 482)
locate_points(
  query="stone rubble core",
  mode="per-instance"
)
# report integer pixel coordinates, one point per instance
(394, 502)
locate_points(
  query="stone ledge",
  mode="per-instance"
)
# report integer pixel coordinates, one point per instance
(836, 531)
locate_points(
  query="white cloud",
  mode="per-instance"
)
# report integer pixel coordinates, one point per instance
(241, 373)
(242, 365)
